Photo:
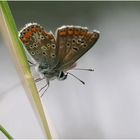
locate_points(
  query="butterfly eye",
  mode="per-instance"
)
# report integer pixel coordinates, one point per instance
(32, 53)
(53, 46)
(62, 76)
(44, 53)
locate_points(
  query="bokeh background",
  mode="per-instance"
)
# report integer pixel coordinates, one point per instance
(108, 106)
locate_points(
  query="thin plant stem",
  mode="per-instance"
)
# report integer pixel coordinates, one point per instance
(10, 34)
(5, 132)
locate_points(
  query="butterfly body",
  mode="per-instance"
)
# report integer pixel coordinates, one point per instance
(55, 54)
(51, 74)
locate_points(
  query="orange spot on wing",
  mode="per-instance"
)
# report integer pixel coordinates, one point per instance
(88, 35)
(24, 40)
(50, 36)
(70, 31)
(34, 29)
(76, 32)
(62, 33)
(82, 33)
(43, 33)
(28, 34)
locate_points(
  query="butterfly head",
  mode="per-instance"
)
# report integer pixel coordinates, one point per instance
(51, 73)
(62, 76)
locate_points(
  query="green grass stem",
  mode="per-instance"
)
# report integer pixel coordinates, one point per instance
(10, 33)
(5, 132)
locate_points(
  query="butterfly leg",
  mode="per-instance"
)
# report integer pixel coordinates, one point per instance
(30, 62)
(39, 79)
(46, 86)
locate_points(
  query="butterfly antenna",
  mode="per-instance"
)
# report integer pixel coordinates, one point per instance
(76, 78)
(83, 69)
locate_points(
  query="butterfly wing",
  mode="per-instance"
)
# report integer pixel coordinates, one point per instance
(73, 42)
(40, 45)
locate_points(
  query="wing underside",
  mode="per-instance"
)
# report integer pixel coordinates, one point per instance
(73, 42)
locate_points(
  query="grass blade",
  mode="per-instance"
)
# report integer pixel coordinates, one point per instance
(10, 33)
(4, 131)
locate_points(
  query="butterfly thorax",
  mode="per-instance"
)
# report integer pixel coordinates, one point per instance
(50, 73)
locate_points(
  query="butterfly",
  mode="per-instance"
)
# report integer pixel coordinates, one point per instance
(56, 54)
